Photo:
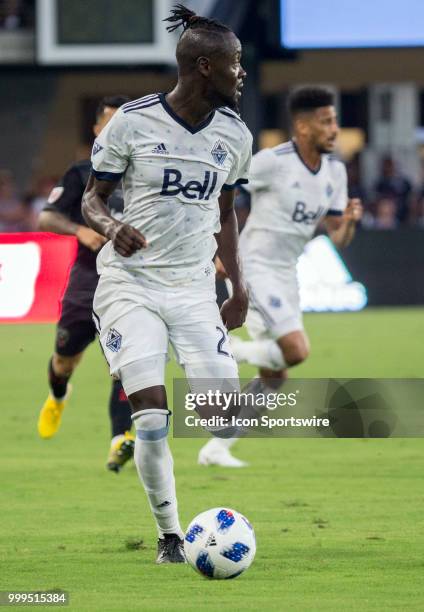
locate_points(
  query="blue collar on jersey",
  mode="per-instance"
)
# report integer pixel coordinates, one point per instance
(187, 126)
(303, 161)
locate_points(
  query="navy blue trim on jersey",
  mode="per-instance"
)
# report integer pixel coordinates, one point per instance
(107, 176)
(241, 181)
(229, 113)
(333, 157)
(141, 106)
(139, 101)
(304, 163)
(144, 103)
(189, 128)
(333, 212)
(96, 320)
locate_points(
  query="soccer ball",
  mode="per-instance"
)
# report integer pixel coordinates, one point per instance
(220, 543)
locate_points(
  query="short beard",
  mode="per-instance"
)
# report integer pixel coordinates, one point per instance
(231, 103)
(324, 150)
(234, 105)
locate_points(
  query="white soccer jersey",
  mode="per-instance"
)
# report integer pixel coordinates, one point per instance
(288, 201)
(172, 177)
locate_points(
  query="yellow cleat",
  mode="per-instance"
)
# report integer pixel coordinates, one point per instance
(121, 452)
(51, 415)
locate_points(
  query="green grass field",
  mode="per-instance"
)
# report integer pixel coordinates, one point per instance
(338, 522)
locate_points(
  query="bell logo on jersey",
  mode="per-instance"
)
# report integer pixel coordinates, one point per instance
(193, 190)
(301, 215)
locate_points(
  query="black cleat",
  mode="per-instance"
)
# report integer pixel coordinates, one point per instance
(171, 549)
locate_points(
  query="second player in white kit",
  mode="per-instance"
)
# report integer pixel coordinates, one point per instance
(288, 202)
(294, 187)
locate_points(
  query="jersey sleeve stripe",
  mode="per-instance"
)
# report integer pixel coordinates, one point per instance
(107, 176)
(230, 114)
(284, 149)
(333, 157)
(139, 101)
(141, 106)
(241, 181)
(333, 212)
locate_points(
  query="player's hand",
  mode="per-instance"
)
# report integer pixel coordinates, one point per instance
(89, 238)
(127, 240)
(354, 210)
(234, 310)
(219, 269)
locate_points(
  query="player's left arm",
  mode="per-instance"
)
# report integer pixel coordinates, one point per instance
(341, 229)
(234, 310)
(344, 213)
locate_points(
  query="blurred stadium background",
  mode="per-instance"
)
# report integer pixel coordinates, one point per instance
(338, 529)
(57, 58)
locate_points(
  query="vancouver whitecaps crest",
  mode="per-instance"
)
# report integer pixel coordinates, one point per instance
(219, 152)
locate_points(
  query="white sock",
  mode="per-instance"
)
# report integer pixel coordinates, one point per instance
(154, 463)
(260, 353)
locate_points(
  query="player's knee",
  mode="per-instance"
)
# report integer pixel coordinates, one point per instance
(295, 350)
(296, 354)
(150, 398)
(151, 424)
(64, 366)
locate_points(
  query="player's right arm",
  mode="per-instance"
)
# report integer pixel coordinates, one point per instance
(125, 238)
(110, 158)
(344, 213)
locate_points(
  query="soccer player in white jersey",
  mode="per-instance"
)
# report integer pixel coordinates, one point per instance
(180, 155)
(293, 188)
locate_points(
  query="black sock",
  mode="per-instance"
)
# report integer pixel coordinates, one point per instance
(58, 384)
(119, 410)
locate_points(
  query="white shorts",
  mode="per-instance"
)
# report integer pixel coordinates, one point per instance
(274, 304)
(136, 323)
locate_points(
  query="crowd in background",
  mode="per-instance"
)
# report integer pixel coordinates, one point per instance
(393, 202)
(19, 211)
(16, 14)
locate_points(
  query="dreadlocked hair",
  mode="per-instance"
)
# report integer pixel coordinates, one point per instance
(182, 16)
